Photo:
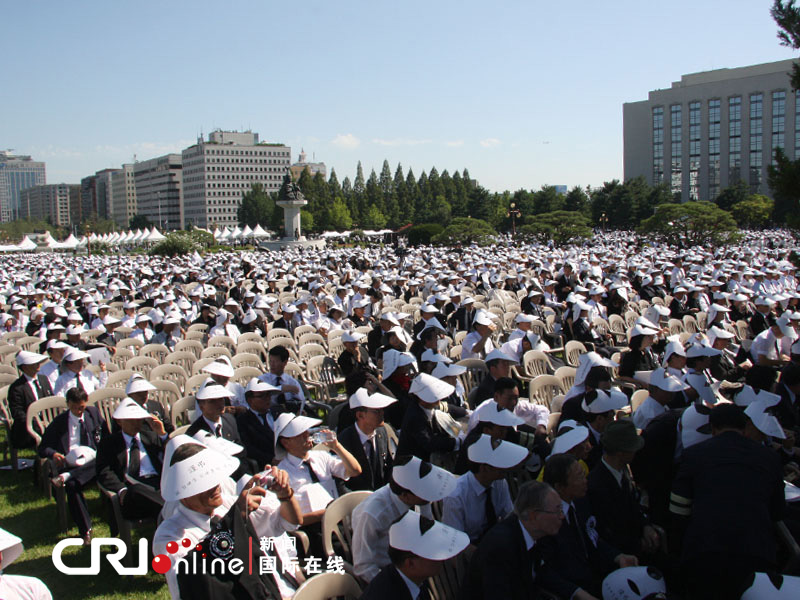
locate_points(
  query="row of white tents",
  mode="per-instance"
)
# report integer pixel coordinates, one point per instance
(129, 238)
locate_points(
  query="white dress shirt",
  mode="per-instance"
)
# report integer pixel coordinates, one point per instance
(22, 587)
(371, 522)
(186, 523)
(74, 430)
(464, 507)
(68, 380)
(470, 341)
(272, 379)
(326, 466)
(765, 343)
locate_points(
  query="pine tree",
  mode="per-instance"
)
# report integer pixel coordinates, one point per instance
(334, 187)
(373, 195)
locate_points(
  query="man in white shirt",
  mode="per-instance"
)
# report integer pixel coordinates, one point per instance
(18, 586)
(415, 484)
(766, 347)
(662, 387)
(481, 497)
(198, 479)
(143, 331)
(479, 343)
(74, 375)
(221, 370)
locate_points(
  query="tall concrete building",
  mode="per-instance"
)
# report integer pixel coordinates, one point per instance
(16, 174)
(711, 129)
(158, 190)
(123, 195)
(218, 171)
(313, 167)
(103, 192)
(58, 203)
(89, 197)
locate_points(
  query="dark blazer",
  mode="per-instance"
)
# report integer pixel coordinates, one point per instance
(20, 397)
(230, 432)
(368, 480)
(421, 437)
(282, 324)
(56, 435)
(258, 439)
(578, 560)
(758, 323)
(786, 410)
(461, 319)
(387, 585)
(112, 458)
(502, 566)
(620, 518)
(375, 340)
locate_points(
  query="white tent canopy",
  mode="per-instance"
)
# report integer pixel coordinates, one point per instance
(154, 236)
(258, 232)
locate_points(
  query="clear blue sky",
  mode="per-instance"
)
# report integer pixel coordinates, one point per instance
(520, 93)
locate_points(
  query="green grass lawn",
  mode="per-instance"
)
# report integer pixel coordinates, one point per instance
(25, 512)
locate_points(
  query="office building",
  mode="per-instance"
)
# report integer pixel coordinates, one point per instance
(158, 190)
(313, 167)
(103, 192)
(218, 171)
(123, 195)
(16, 174)
(89, 197)
(57, 203)
(712, 129)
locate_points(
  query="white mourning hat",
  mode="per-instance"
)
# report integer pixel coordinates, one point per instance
(362, 398)
(430, 389)
(30, 358)
(569, 435)
(426, 538)
(130, 409)
(423, 479)
(219, 366)
(197, 473)
(137, 383)
(492, 412)
(496, 453)
(604, 401)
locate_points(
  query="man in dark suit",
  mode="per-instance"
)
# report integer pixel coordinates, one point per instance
(287, 318)
(582, 558)
(81, 426)
(509, 562)
(615, 499)
(375, 337)
(421, 433)
(418, 548)
(368, 441)
(788, 387)
(758, 322)
(256, 424)
(25, 391)
(211, 402)
(129, 461)
(461, 319)
(139, 388)
(727, 479)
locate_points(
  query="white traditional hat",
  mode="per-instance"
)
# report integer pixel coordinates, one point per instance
(10, 548)
(639, 329)
(220, 444)
(496, 453)
(498, 354)
(773, 586)
(80, 455)
(673, 347)
(362, 398)
(426, 538)
(196, 474)
(589, 360)
(635, 583)
(256, 385)
(74, 330)
(704, 389)
(604, 401)
(482, 318)
(393, 359)
(30, 358)
(211, 389)
(661, 379)
(72, 354)
(569, 435)
(431, 356)
(694, 425)
(130, 409)
(444, 369)
(785, 325)
(219, 366)
(423, 479)
(717, 333)
(492, 412)
(289, 425)
(137, 383)
(699, 350)
(429, 389)
(352, 337)
(763, 420)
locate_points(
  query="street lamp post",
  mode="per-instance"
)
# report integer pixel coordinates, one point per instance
(514, 213)
(603, 221)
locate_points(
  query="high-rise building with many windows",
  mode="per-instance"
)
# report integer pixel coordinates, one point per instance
(16, 174)
(218, 171)
(711, 129)
(158, 190)
(57, 203)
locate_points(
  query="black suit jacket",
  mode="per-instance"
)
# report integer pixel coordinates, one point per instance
(758, 323)
(230, 432)
(786, 410)
(578, 560)
(56, 435)
(421, 437)
(368, 480)
(620, 518)
(20, 397)
(502, 566)
(387, 585)
(282, 324)
(461, 320)
(112, 458)
(258, 439)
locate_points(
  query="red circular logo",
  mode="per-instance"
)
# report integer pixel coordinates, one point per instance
(161, 563)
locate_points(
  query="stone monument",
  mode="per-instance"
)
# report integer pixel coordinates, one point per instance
(291, 201)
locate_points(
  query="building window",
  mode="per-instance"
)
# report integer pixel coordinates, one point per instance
(778, 122)
(713, 148)
(734, 139)
(676, 175)
(694, 151)
(756, 139)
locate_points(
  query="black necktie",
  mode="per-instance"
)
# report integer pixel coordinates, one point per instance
(491, 515)
(218, 431)
(38, 388)
(314, 477)
(424, 591)
(369, 450)
(133, 459)
(83, 434)
(573, 521)
(78, 383)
